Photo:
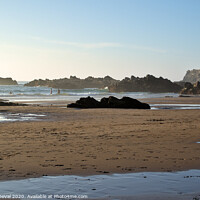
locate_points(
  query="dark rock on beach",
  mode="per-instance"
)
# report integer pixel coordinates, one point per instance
(110, 102)
(124, 102)
(87, 102)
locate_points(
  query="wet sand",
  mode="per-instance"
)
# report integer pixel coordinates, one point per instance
(98, 141)
(182, 185)
(173, 100)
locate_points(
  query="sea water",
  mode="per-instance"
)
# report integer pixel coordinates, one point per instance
(173, 185)
(12, 117)
(21, 93)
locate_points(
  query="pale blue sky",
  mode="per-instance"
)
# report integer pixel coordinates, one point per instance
(59, 38)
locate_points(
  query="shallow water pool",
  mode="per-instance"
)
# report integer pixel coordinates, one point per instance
(175, 106)
(176, 185)
(11, 117)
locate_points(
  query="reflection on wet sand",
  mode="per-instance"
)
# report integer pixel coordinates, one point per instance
(11, 117)
(160, 185)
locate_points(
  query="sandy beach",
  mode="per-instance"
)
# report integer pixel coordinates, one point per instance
(75, 81)
(98, 141)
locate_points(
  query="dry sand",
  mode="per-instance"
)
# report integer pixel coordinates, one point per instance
(98, 141)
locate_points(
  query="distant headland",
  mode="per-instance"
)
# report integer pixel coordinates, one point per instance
(8, 81)
(188, 85)
(146, 84)
(74, 83)
(133, 84)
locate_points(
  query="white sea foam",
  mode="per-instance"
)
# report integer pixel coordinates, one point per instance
(42, 94)
(21, 93)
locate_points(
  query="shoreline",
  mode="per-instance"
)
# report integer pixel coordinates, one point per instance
(156, 100)
(110, 174)
(121, 186)
(98, 141)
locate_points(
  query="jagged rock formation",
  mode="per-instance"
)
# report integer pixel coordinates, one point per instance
(146, 84)
(110, 102)
(7, 81)
(192, 76)
(192, 89)
(74, 83)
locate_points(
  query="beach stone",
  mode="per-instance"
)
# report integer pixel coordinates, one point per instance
(110, 102)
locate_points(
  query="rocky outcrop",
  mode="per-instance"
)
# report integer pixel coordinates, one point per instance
(191, 89)
(146, 84)
(87, 102)
(74, 83)
(7, 81)
(180, 83)
(4, 103)
(133, 84)
(192, 76)
(110, 102)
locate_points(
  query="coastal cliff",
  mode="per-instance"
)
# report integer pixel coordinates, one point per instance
(192, 76)
(146, 84)
(74, 83)
(191, 89)
(7, 81)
